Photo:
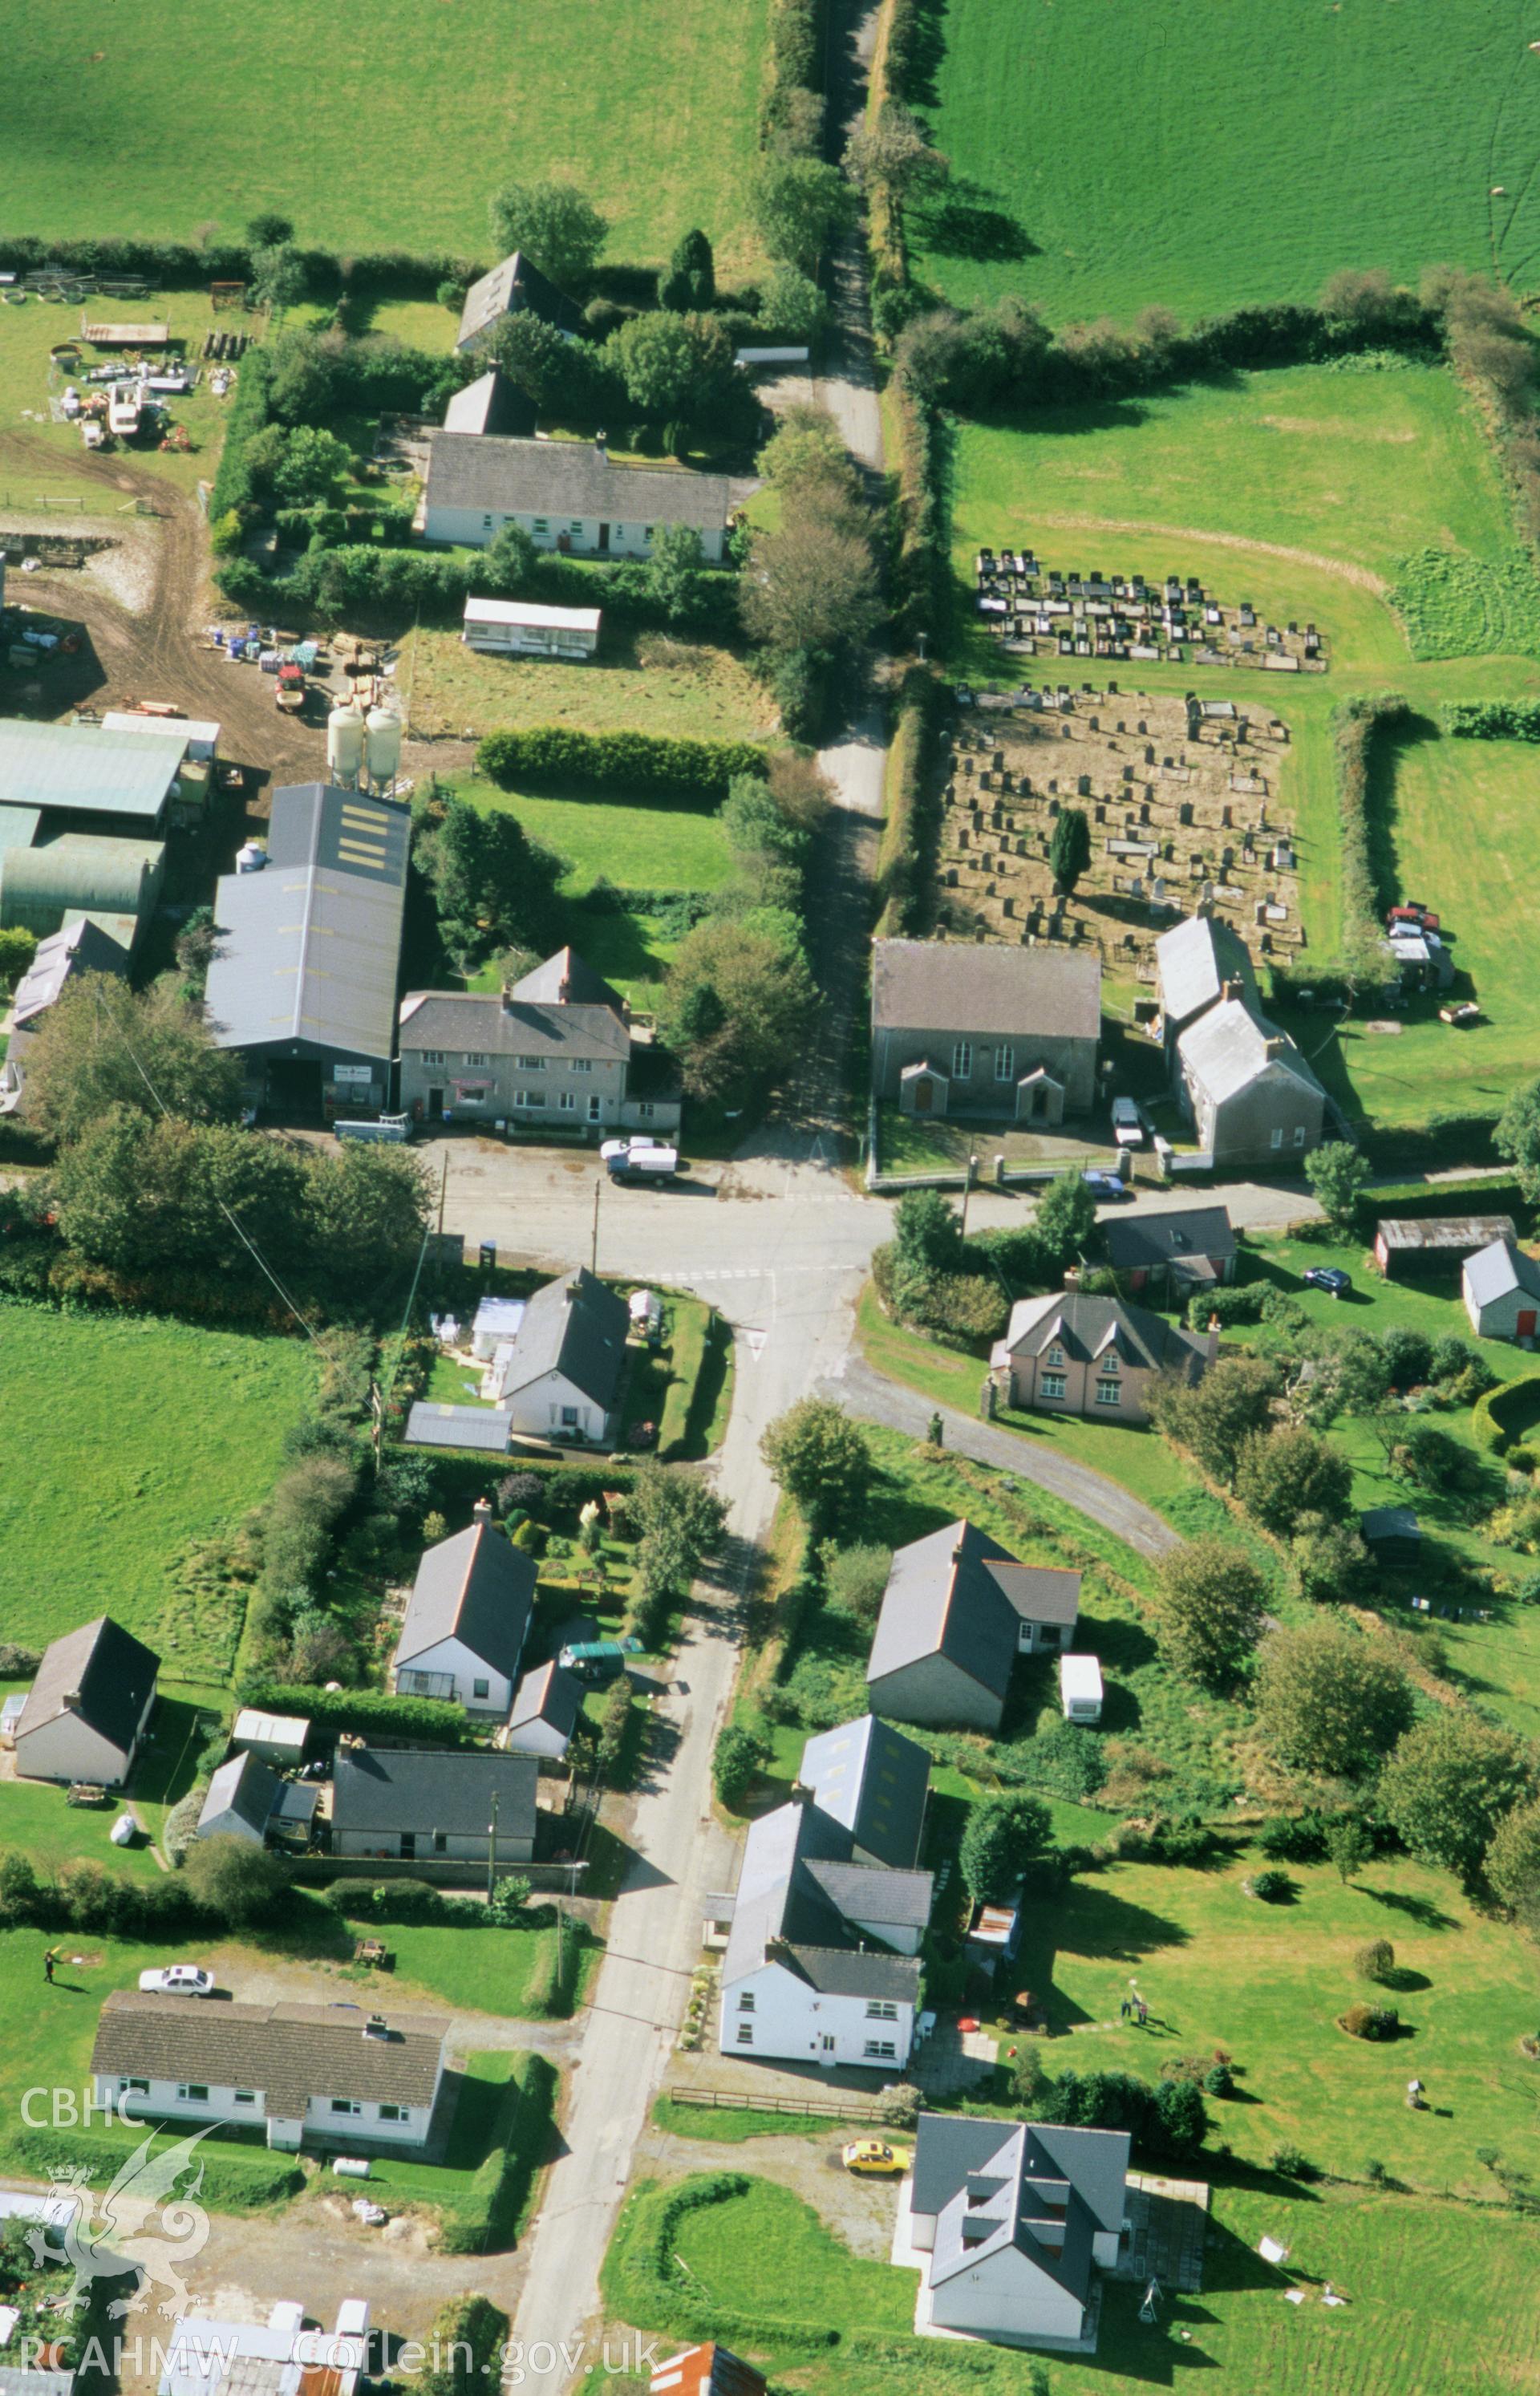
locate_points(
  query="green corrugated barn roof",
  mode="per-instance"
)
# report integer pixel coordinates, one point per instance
(84, 770)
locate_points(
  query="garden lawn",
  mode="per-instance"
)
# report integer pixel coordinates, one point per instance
(1440, 2297)
(171, 1431)
(676, 689)
(652, 113)
(1224, 154)
(37, 1821)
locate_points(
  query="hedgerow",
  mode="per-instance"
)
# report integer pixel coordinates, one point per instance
(632, 761)
(359, 1709)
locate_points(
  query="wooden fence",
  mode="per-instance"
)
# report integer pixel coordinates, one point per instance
(822, 2109)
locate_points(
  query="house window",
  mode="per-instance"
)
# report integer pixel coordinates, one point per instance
(395, 2112)
(577, 528)
(134, 2087)
(569, 1418)
(877, 2011)
(530, 1064)
(963, 1061)
(245, 2096)
(487, 524)
(880, 2050)
(566, 1103)
(1299, 1135)
(1109, 1364)
(481, 1688)
(1052, 1385)
(1004, 1064)
(440, 1842)
(477, 1056)
(346, 2104)
(529, 1097)
(582, 1064)
(432, 1057)
(542, 524)
(1056, 1358)
(745, 2034)
(1107, 1393)
(192, 2092)
(646, 532)
(1278, 1136)
(746, 2002)
(646, 1112)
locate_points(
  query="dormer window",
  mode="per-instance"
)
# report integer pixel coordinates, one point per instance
(1107, 1363)
(1054, 1359)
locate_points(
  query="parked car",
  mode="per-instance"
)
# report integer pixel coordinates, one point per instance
(598, 1659)
(1413, 913)
(639, 1160)
(177, 1980)
(1331, 1278)
(1127, 1123)
(1105, 1186)
(875, 2155)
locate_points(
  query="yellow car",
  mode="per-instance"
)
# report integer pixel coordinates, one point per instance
(873, 2155)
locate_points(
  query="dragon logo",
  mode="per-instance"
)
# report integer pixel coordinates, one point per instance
(145, 2228)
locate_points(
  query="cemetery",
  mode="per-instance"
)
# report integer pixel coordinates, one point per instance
(1039, 612)
(1181, 795)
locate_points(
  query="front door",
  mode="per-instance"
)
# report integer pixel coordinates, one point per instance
(596, 1107)
(604, 541)
(435, 1106)
(826, 2047)
(1526, 1323)
(924, 1096)
(408, 1846)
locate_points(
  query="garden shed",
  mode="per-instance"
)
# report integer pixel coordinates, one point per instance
(1393, 1536)
(1405, 1245)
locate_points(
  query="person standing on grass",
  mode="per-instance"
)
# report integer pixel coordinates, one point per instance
(48, 1965)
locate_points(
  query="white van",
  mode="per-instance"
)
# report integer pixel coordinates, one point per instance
(639, 1159)
(1081, 1688)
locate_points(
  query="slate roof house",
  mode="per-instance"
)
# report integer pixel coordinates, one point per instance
(334, 2073)
(560, 1377)
(871, 1777)
(957, 1612)
(976, 1028)
(243, 1797)
(821, 1962)
(1009, 2223)
(81, 947)
(1170, 1255)
(88, 1708)
(424, 1805)
(513, 288)
(1252, 1097)
(568, 496)
(546, 1706)
(1070, 1353)
(556, 1047)
(466, 1622)
(1500, 1285)
(303, 980)
(1197, 964)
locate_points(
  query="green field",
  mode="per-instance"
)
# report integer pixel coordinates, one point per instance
(404, 130)
(1226, 152)
(1308, 491)
(1440, 2297)
(637, 684)
(126, 1437)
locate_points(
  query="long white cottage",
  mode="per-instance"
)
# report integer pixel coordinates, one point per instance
(333, 2074)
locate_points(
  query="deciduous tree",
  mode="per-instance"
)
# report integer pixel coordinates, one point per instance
(554, 224)
(1448, 1785)
(1003, 1835)
(103, 1045)
(1330, 1700)
(1209, 1611)
(1338, 1175)
(821, 1460)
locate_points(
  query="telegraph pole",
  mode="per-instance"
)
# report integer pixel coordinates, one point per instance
(593, 1247)
(492, 1850)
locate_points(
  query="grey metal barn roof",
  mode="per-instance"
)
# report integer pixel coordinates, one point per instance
(86, 770)
(867, 1776)
(103, 1668)
(493, 476)
(981, 987)
(390, 1790)
(485, 1429)
(309, 949)
(1443, 1234)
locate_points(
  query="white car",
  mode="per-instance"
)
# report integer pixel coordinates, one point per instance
(177, 1980)
(1127, 1123)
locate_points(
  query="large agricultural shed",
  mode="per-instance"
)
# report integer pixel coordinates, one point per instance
(82, 769)
(81, 811)
(303, 980)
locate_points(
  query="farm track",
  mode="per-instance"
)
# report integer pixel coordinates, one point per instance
(1362, 577)
(154, 653)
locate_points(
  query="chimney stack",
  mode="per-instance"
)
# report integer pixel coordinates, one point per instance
(800, 1793)
(1071, 1278)
(564, 991)
(481, 1511)
(600, 444)
(1228, 990)
(1274, 1047)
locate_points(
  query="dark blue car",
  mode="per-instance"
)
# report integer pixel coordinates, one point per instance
(1331, 1278)
(1106, 1185)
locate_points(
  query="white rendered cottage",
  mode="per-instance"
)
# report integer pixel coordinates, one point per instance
(464, 1629)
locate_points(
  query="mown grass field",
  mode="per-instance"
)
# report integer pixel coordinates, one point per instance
(1312, 492)
(404, 136)
(684, 689)
(125, 1437)
(1440, 2297)
(1226, 151)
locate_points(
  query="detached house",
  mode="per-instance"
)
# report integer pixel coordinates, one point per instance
(514, 287)
(569, 496)
(872, 1779)
(333, 2073)
(1251, 1096)
(87, 1709)
(1009, 2223)
(1069, 1354)
(559, 1376)
(1197, 964)
(465, 1624)
(976, 1028)
(556, 1047)
(1500, 1285)
(1173, 1255)
(822, 1954)
(424, 1805)
(958, 1610)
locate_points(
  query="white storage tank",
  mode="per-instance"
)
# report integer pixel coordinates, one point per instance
(344, 745)
(252, 858)
(384, 744)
